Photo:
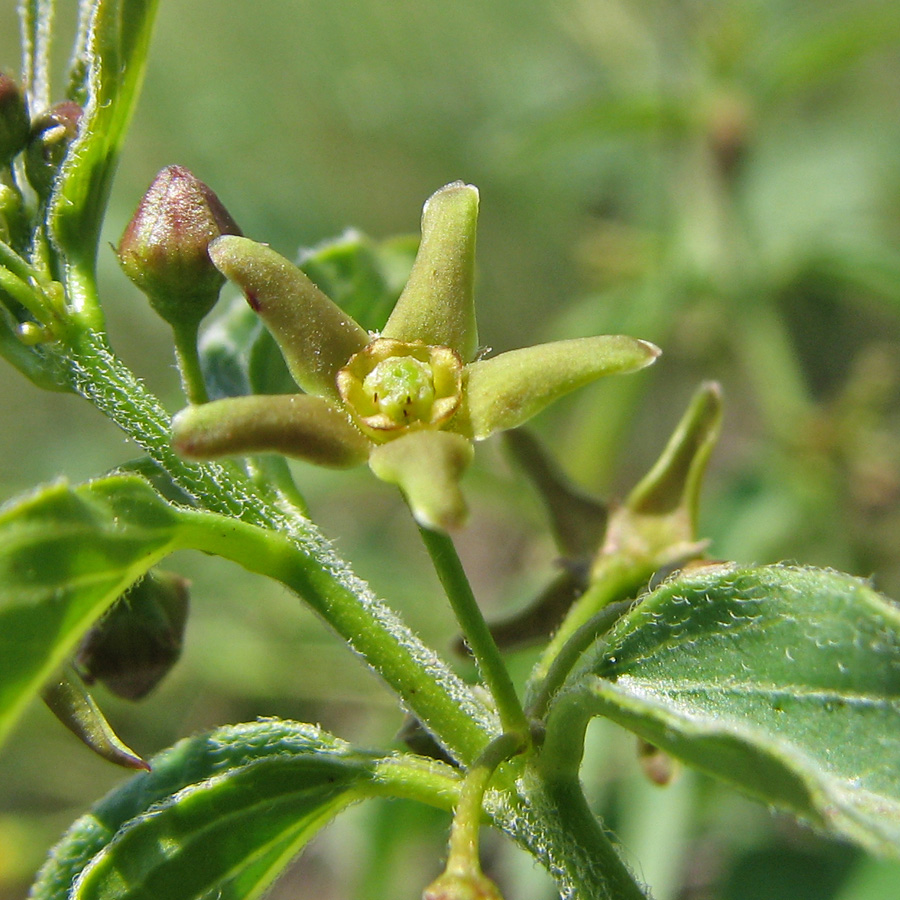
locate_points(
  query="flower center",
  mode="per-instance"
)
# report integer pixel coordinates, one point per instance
(402, 388)
(393, 386)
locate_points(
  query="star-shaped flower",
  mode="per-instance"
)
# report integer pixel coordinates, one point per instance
(410, 400)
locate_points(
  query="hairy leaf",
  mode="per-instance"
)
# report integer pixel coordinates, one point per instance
(225, 812)
(783, 681)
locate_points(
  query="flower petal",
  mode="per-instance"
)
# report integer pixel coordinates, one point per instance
(296, 425)
(509, 389)
(315, 335)
(427, 466)
(437, 305)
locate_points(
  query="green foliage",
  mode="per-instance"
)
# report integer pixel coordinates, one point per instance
(66, 556)
(224, 812)
(783, 681)
(716, 213)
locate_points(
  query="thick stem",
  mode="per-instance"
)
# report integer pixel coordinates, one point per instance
(292, 549)
(475, 630)
(559, 828)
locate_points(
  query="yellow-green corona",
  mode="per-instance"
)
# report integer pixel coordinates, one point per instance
(409, 400)
(394, 385)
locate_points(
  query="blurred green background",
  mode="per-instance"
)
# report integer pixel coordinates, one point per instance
(719, 176)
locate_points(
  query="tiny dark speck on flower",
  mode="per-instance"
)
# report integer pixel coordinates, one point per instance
(254, 301)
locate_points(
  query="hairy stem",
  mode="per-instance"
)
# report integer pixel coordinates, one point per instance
(282, 545)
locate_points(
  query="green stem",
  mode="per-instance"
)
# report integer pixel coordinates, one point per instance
(542, 692)
(463, 858)
(558, 827)
(475, 630)
(291, 549)
(192, 381)
(617, 576)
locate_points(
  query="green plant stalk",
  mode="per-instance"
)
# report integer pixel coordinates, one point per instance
(192, 382)
(553, 821)
(462, 857)
(542, 692)
(475, 630)
(618, 576)
(288, 548)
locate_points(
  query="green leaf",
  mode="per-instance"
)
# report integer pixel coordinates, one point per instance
(65, 555)
(116, 46)
(783, 681)
(239, 356)
(225, 812)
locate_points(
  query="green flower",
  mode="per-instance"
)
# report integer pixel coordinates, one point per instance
(410, 400)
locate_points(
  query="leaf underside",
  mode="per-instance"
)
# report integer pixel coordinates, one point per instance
(783, 681)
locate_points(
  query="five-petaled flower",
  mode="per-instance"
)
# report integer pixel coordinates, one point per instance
(410, 400)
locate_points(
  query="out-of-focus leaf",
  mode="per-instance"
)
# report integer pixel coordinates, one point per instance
(802, 57)
(225, 812)
(363, 277)
(116, 44)
(783, 681)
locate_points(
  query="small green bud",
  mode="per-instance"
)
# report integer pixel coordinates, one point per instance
(139, 640)
(462, 886)
(51, 134)
(14, 123)
(164, 248)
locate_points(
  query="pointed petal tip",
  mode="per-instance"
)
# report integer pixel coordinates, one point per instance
(653, 352)
(711, 389)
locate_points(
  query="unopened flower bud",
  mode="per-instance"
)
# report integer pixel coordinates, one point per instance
(139, 640)
(462, 886)
(14, 124)
(164, 248)
(51, 134)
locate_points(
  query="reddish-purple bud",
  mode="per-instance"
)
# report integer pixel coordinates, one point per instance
(139, 640)
(462, 886)
(164, 248)
(14, 123)
(51, 134)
